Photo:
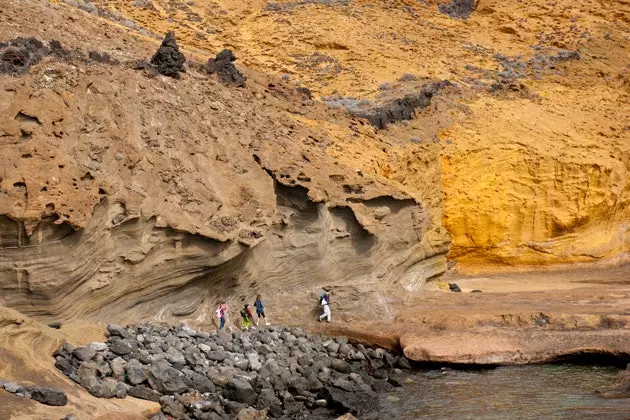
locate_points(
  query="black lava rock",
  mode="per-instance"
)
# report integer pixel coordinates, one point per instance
(168, 60)
(222, 65)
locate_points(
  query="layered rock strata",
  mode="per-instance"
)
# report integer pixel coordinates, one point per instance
(128, 195)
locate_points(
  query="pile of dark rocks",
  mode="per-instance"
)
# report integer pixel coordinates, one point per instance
(223, 66)
(168, 60)
(286, 372)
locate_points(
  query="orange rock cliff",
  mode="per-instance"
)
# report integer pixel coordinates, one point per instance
(135, 194)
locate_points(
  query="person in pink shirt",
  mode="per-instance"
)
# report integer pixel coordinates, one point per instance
(221, 313)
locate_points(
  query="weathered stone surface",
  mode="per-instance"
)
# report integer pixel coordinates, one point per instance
(240, 390)
(168, 60)
(84, 354)
(115, 330)
(166, 380)
(340, 365)
(143, 392)
(47, 396)
(136, 372)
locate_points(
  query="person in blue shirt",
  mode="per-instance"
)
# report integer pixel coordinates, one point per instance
(260, 310)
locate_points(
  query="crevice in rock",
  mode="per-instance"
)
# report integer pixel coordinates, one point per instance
(593, 357)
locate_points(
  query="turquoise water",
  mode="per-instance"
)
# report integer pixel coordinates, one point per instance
(519, 392)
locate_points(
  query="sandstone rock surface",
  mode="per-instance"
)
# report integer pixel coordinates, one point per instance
(535, 152)
(138, 188)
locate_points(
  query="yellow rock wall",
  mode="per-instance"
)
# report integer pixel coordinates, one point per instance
(533, 174)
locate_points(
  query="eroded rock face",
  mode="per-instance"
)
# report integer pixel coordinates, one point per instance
(128, 206)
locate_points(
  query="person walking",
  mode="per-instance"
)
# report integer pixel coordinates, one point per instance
(325, 302)
(221, 313)
(260, 310)
(247, 316)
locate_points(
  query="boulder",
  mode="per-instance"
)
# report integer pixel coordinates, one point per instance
(333, 347)
(403, 363)
(340, 366)
(168, 60)
(217, 355)
(117, 366)
(48, 396)
(173, 408)
(240, 390)
(298, 385)
(143, 392)
(65, 365)
(254, 362)
(136, 372)
(118, 331)
(122, 346)
(267, 399)
(166, 380)
(84, 354)
(12, 387)
(201, 382)
(105, 389)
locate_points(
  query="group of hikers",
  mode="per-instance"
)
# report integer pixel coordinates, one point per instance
(246, 314)
(248, 317)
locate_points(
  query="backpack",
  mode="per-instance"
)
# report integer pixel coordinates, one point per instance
(244, 314)
(219, 313)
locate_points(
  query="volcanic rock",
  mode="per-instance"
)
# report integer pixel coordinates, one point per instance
(168, 60)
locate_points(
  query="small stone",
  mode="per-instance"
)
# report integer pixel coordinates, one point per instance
(242, 364)
(251, 414)
(56, 325)
(144, 393)
(333, 347)
(217, 355)
(341, 340)
(98, 346)
(254, 362)
(12, 387)
(403, 363)
(118, 331)
(345, 349)
(121, 390)
(70, 417)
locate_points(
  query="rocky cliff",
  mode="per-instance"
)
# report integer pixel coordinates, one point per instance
(128, 194)
(535, 156)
